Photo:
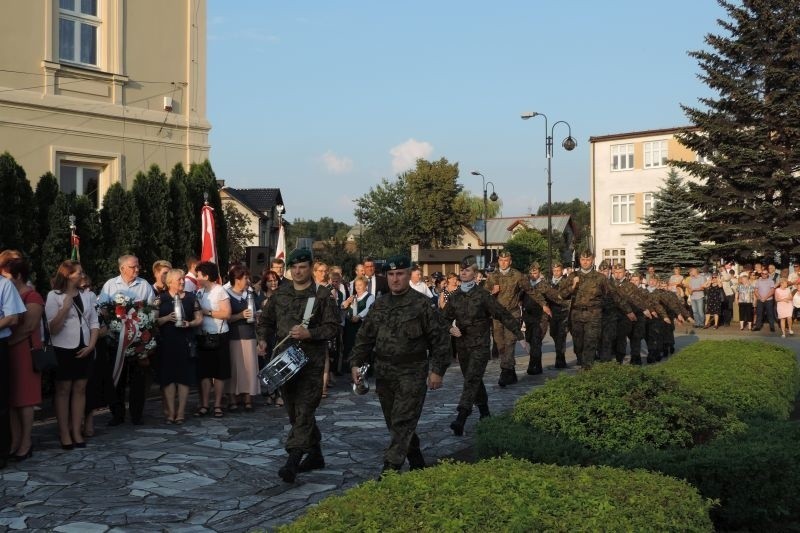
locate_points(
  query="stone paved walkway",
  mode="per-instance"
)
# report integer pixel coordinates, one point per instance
(220, 475)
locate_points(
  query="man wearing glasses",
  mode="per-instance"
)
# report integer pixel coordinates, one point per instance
(131, 285)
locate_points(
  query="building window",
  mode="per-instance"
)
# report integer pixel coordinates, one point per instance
(615, 256)
(622, 208)
(655, 154)
(78, 179)
(78, 31)
(649, 202)
(621, 156)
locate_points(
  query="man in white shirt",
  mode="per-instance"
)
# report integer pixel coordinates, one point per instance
(129, 284)
(416, 283)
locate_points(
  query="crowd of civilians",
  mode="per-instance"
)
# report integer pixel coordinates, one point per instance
(72, 314)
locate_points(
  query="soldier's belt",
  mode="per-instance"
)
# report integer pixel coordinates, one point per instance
(586, 307)
(403, 358)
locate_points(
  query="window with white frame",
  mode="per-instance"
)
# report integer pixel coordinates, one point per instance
(615, 256)
(78, 31)
(655, 154)
(622, 208)
(622, 156)
(649, 200)
(80, 179)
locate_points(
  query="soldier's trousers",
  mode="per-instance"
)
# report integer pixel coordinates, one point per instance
(626, 329)
(668, 339)
(401, 390)
(301, 396)
(558, 331)
(609, 320)
(535, 330)
(654, 332)
(585, 328)
(473, 361)
(505, 340)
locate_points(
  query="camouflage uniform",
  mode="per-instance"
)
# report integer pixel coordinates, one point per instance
(654, 328)
(302, 393)
(403, 330)
(586, 312)
(536, 321)
(610, 321)
(559, 322)
(673, 307)
(627, 329)
(473, 312)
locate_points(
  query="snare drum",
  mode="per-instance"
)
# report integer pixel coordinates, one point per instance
(282, 367)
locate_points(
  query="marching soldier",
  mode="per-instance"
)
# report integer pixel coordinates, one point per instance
(508, 284)
(284, 316)
(626, 329)
(610, 320)
(587, 288)
(471, 310)
(661, 325)
(536, 321)
(675, 310)
(560, 317)
(412, 349)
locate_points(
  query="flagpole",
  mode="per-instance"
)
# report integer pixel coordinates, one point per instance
(74, 241)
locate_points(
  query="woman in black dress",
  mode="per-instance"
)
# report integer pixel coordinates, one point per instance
(715, 296)
(175, 344)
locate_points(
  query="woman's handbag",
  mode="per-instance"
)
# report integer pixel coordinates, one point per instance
(208, 341)
(44, 358)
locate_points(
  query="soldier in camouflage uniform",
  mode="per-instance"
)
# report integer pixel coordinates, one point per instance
(657, 326)
(586, 289)
(533, 316)
(471, 309)
(508, 284)
(559, 319)
(676, 311)
(301, 394)
(610, 319)
(411, 347)
(627, 329)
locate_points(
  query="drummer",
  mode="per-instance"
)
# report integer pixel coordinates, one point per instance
(283, 319)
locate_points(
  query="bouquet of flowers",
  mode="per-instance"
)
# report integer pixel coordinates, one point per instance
(133, 324)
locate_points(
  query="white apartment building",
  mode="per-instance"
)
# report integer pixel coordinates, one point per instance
(626, 170)
(95, 91)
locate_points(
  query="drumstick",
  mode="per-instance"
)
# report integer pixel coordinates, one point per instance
(304, 323)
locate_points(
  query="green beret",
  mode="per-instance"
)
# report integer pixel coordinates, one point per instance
(469, 261)
(604, 265)
(558, 264)
(534, 266)
(397, 262)
(299, 255)
(504, 253)
(587, 253)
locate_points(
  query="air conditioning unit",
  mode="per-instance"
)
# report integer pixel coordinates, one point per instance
(167, 103)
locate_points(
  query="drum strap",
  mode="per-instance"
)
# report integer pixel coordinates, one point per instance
(307, 312)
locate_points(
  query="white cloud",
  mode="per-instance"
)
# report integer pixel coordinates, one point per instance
(337, 164)
(405, 155)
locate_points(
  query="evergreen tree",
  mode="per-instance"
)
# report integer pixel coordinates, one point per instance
(87, 222)
(151, 193)
(674, 229)
(56, 247)
(181, 217)
(527, 246)
(202, 179)
(748, 134)
(43, 200)
(120, 229)
(17, 226)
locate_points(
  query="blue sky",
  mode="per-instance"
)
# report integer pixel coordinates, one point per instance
(324, 98)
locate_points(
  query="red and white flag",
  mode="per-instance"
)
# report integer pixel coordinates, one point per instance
(280, 248)
(209, 250)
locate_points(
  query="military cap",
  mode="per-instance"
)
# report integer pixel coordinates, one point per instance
(557, 264)
(469, 261)
(397, 262)
(587, 253)
(299, 255)
(437, 276)
(504, 253)
(534, 266)
(604, 265)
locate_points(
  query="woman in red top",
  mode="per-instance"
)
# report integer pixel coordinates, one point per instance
(26, 385)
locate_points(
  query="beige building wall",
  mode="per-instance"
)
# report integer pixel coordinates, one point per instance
(108, 117)
(253, 221)
(617, 237)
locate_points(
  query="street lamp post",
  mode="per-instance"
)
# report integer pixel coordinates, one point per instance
(569, 144)
(493, 198)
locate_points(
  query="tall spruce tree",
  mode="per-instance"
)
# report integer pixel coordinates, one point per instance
(120, 228)
(151, 193)
(57, 246)
(43, 199)
(202, 179)
(16, 223)
(180, 211)
(674, 229)
(749, 134)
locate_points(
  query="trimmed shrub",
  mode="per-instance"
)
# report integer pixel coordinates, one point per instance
(508, 494)
(615, 407)
(755, 379)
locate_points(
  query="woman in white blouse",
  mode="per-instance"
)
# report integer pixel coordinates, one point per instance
(74, 328)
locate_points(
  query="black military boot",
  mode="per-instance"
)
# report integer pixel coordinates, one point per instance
(483, 409)
(508, 376)
(389, 467)
(561, 361)
(457, 425)
(416, 461)
(313, 461)
(535, 366)
(288, 472)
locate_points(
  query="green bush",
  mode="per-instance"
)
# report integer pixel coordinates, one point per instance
(615, 407)
(507, 494)
(755, 379)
